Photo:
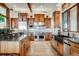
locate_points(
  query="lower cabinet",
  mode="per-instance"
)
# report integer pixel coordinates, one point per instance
(31, 37)
(74, 49)
(24, 46)
(74, 53)
(59, 47)
(47, 36)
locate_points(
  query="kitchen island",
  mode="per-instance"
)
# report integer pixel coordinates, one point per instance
(12, 47)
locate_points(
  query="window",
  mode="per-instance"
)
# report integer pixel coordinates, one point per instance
(2, 11)
(2, 22)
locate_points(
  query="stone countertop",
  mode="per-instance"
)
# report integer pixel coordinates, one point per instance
(16, 39)
(74, 40)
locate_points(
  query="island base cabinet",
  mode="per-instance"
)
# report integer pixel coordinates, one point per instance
(9, 48)
(24, 46)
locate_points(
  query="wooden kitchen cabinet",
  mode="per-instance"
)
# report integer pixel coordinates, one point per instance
(47, 22)
(47, 36)
(31, 37)
(58, 45)
(24, 45)
(56, 15)
(39, 17)
(74, 49)
(15, 48)
(61, 49)
(73, 53)
(14, 23)
(9, 48)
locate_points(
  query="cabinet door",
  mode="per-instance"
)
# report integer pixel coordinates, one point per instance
(56, 15)
(4, 47)
(47, 22)
(57, 18)
(48, 36)
(61, 49)
(73, 53)
(13, 47)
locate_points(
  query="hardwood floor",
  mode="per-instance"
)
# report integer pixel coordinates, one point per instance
(41, 48)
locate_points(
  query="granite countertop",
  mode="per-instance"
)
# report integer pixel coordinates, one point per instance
(18, 38)
(74, 40)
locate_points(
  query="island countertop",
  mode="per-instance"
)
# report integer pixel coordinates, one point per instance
(17, 38)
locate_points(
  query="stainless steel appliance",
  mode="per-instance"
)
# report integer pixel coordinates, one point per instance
(39, 36)
(66, 47)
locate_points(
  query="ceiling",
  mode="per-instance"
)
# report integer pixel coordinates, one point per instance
(43, 7)
(46, 8)
(19, 7)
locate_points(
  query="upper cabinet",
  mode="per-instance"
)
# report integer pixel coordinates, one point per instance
(39, 17)
(14, 23)
(56, 15)
(47, 22)
(22, 16)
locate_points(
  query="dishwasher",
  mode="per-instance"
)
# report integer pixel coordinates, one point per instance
(66, 47)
